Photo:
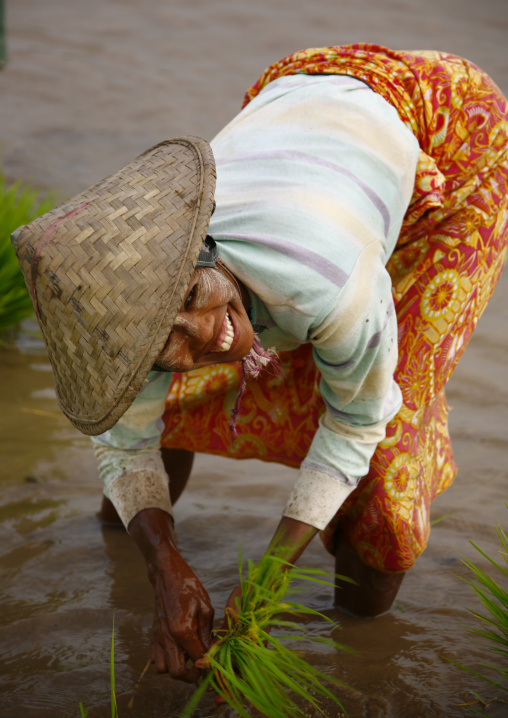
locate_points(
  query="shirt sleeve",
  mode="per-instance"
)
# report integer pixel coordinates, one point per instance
(314, 178)
(355, 349)
(128, 455)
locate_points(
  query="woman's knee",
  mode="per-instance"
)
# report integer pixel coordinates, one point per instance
(178, 464)
(373, 591)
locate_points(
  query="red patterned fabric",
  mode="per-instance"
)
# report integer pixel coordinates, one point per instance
(449, 256)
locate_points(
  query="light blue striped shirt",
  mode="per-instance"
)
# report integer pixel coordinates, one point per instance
(313, 180)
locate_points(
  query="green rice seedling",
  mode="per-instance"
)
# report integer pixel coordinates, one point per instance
(18, 205)
(114, 708)
(493, 593)
(494, 597)
(250, 664)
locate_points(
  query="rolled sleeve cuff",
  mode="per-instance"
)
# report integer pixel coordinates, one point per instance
(131, 493)
(316, 497)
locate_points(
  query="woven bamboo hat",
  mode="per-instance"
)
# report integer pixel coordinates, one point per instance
(107, 272)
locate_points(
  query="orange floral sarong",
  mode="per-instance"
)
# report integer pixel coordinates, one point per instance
(449, 256)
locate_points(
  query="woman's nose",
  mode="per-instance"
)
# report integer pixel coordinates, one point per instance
(198, 327)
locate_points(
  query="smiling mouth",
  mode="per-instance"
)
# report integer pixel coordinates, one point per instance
(226, 336)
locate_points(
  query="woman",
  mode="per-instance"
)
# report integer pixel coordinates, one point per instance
(360, 204)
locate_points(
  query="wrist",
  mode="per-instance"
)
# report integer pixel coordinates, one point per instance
(153, 532)
(291, 538)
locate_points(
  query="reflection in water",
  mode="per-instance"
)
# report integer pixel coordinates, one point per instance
(28, 515)
(65, 578)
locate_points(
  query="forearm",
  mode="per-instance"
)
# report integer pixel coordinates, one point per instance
(153, 532)
(183, 613)
(290, 539)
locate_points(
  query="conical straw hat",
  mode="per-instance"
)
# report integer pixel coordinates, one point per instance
(108, 270)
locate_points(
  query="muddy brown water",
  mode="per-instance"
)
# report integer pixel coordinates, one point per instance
(88, 86)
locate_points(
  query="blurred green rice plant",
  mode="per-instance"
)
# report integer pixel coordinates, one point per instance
(492, 590)
(19, 204)
(249, 664)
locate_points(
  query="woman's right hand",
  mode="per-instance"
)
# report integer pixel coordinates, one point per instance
(183, 618)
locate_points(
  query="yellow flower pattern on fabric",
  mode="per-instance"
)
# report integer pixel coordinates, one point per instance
(449, 256)
(400, 484)
(440, 297)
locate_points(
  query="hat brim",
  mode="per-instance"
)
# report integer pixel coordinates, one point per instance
(108, 270)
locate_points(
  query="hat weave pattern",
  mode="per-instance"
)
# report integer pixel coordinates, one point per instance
(108, 271)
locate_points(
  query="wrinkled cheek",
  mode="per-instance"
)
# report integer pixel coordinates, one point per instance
(172, 358)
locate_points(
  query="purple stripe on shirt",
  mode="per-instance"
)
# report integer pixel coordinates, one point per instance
(345, 365)
(341, 415)
(305, 256)
(296, 155)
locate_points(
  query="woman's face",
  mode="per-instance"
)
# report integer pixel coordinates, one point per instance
(212, 326)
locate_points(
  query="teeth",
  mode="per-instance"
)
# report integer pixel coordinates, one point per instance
(228, 340)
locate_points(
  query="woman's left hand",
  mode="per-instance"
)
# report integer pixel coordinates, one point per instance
(232, 605)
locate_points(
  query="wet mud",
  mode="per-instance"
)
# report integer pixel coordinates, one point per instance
(87, 88)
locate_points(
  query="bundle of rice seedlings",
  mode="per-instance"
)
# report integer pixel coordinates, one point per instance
(248, 663)
(18, 205)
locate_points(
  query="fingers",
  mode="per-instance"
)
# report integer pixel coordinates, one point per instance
(158, 658)
(195, 640)
(171, 650)
(233, 603)
(203, 663)
(183, 624)
(205, 626)
(191, 645)
(170, 659)
(229, 619)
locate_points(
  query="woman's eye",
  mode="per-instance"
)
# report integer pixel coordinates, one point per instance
(189, 297)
